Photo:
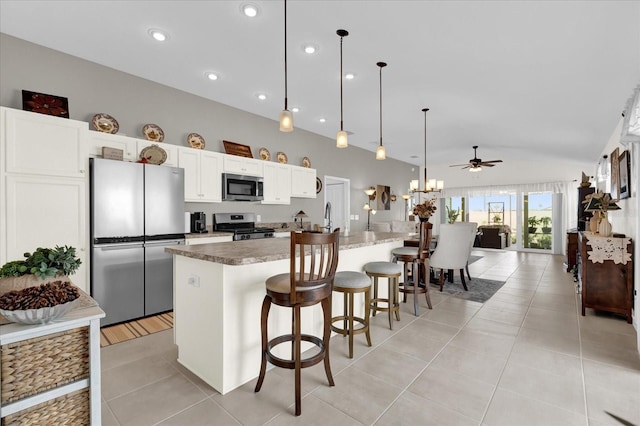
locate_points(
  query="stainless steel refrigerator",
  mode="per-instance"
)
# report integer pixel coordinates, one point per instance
(136, 211)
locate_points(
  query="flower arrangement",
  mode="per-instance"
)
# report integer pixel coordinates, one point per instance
(600, 202)
(426, 209)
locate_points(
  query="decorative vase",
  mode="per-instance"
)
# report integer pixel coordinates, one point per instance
(424, 219)
(604, 229)
(593, 223)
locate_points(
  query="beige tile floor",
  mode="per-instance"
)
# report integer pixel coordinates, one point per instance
(525, 357)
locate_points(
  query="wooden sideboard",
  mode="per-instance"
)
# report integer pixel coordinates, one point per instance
(606, 286)
(572, 248)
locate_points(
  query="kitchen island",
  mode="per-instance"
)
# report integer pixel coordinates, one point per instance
(219, 290)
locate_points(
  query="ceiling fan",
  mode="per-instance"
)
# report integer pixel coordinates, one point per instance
(475, 164)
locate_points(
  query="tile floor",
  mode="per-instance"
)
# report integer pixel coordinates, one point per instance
(525, 357)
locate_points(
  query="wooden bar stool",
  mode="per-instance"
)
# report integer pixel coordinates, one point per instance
(392, 272)
(350, 283)
(312, 269)
(419, 282)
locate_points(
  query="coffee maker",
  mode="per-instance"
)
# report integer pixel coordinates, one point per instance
(199, 223)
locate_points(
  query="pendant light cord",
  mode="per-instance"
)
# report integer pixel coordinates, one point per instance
(341, 112)
(425, 147)
(381, 65)
(286, 101)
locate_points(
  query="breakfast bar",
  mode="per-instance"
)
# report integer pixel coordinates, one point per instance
(218, 293)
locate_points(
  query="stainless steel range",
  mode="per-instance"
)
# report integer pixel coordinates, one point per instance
(243, 226)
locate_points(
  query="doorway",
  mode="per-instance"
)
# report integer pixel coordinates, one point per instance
(336, 193)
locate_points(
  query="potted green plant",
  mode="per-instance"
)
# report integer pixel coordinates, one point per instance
(44, 264)
(546, 221)
(497, 219)
(452, 214)
(533, 224)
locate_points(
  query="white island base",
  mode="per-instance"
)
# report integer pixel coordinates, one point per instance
(217, 310)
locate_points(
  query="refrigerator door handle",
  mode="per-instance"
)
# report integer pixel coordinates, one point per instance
(164, 243)
(116, 246)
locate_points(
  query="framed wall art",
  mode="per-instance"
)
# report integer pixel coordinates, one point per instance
(384, 197)
(45, 104)
(615, 174)
(625, 171)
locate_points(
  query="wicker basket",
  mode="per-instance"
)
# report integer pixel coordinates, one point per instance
(71, 409)
(35, 365)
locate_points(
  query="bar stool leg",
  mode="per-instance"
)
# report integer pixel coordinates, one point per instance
(396, 297)
(416, 284)
(345, 303)
(375, 293)
(351, 296)
(367, 313)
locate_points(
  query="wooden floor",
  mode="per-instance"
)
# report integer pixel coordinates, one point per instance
(138, 328)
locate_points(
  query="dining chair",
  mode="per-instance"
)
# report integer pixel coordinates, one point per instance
(453, 250)
(312, 269)
(473, 230)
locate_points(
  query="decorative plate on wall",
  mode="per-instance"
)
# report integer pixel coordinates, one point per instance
(264, 154)
(105, 123)
(153, 133)
(195, 141)
(153, 154)
(282, 157)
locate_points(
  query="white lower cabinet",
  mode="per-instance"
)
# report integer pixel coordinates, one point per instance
(202, 175)
(303, 182)
(277, 184)
(46, 212)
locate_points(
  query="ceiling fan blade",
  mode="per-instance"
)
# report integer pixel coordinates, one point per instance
(486, 165)
(492, 161)
(459, 165)
(467, 166)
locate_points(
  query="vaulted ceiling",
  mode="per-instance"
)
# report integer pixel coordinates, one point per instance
(521, 79)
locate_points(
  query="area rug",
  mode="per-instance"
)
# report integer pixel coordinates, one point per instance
(480, 290)
(134, 329)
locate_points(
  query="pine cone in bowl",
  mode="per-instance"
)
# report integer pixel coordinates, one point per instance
(39, 304)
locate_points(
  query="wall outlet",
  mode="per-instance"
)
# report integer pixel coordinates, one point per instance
(357, 217)
(194, 280)
(258, 218)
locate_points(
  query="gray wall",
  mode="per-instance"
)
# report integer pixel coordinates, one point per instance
(92, 88)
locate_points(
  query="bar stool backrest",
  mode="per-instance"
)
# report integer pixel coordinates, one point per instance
(426, 231)
(316, 273)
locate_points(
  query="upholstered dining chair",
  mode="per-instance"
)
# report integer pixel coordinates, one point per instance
(473, 230)
(453, 250)
(312, 269)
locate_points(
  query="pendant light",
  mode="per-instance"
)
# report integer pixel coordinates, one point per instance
(381, 154)
(286, 117)
(430, 185)
(341, 139)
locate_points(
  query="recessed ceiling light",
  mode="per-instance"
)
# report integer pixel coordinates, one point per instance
(323, 120)
(250, 10)
(295, 109)
(211, 75)
(158, 35)
(310, 48)
(349, 76)
(261, 96)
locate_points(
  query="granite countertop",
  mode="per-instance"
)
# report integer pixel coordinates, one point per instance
(266, 250)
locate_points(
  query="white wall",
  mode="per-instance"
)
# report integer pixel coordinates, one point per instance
(626, 220)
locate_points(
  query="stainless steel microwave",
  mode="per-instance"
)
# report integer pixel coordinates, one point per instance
(241, 188)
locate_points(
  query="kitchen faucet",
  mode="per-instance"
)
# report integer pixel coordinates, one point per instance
(327, 215)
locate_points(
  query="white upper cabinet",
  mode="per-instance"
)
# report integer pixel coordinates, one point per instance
(98, 140)
(40, 144)
(243, 166)
(277, 184)
(202, 175)
(303, 182)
